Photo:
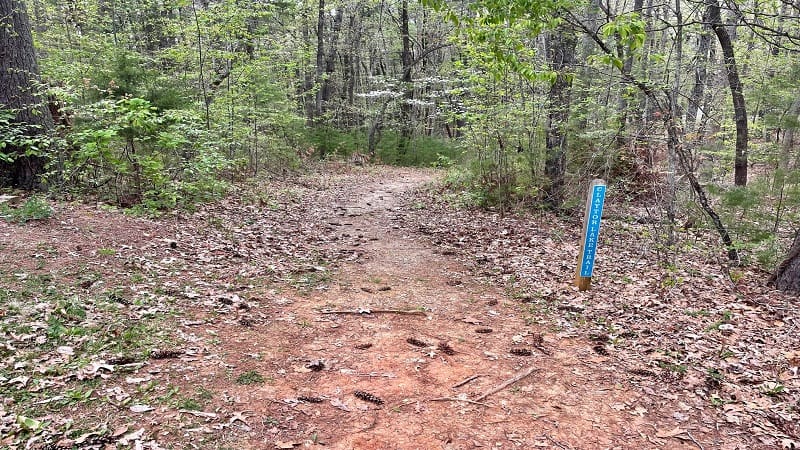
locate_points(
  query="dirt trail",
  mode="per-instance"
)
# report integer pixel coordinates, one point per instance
(239, 296)
(572, 400)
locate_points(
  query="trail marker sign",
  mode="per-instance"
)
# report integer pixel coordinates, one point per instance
(591, 234)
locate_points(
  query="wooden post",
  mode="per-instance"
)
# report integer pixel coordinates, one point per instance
(591, 233)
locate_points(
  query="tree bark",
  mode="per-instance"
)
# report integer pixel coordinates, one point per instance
(735, 85)
(695, 112)
(19, 77)
(320, 70)
(622, 102)
(406, 108)
(330, 59)
(561, 45)
(787, 275)
(788, 135)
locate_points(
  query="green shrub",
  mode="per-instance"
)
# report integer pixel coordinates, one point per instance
(422, 151)
(132, 154)
(34, 208)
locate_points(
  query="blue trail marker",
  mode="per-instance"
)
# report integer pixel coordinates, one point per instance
(591, 234)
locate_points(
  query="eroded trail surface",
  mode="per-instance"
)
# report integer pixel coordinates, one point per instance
(340, 310)
(468, 329)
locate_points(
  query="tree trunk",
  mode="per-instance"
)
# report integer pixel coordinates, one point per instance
(19, 76)
(330, 59)
(320, 57)
(406, 108)
(622, 101)
(787, 275)
(695, 112)
(788, 135)
(561, 45)
(735, 84)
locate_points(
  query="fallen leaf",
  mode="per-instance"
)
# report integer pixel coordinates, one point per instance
(132, 380)
(285, 445)
(84, 437)
(133, 436)
(238, 416)
(671, 433)
(141, 408)
(337, 403)
(207, 415)
(21, 380)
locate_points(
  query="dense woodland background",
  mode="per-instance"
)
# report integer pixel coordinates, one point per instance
(689, 108)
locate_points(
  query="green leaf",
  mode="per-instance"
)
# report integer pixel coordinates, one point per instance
(29, 424)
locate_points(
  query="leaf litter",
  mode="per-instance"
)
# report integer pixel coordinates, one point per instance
(156, 319)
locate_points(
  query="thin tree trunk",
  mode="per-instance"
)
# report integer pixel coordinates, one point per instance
(627, 66)
(320, 57)
(330, 59)
(735, 84)
(695, 112)
(561, 45)
(201, 69)
(406, 108)
(788, 135)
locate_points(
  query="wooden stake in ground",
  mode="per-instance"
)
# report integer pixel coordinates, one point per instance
(591, 233)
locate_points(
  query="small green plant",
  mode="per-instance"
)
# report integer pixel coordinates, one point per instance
(34, 208)
(725, 353)
(772, 388)
(679, 370)
(714, 377)
(106, 251)
(171, 393)
(698, 313)
(204, 394)
(190, 404)
(250, 377)
(716, 400)
(725, 319)
(270, 421)
(77, 395)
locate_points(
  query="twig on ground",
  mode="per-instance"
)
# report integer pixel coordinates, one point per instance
(465, 381)
(508, 382)
(699, 445)
(542, 349)
(375, 311)
(556, 443)
(457, 399)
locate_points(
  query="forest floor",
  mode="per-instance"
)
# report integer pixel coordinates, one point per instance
(357, 308)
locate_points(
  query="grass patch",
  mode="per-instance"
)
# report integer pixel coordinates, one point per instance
(250, 377)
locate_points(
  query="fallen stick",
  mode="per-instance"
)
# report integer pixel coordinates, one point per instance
(465, 381)
(456, 399)
(543, 349)
(508, 382)
(376, 311)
